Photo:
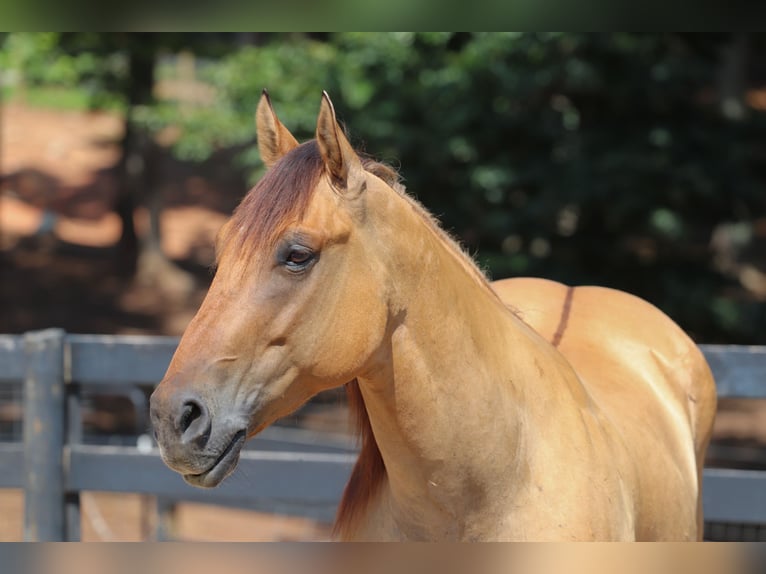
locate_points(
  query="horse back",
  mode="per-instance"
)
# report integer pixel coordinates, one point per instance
(647, 377)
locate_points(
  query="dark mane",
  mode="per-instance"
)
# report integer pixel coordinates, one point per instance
(281, 196)
(368, 472)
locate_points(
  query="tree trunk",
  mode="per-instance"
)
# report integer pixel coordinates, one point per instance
(133, 186)
(147, 263)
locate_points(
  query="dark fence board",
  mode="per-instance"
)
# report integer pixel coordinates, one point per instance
(290, 482)
(119, 359)
(737, 496)
(739, 371)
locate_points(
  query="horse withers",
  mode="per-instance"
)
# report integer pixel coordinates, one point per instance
(518, 410)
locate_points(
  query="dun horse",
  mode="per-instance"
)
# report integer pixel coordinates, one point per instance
(518, 410)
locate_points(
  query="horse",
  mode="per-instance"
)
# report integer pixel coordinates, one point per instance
(517, 410)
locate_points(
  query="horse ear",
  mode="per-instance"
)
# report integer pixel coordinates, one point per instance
(340, 160)
(274, 139)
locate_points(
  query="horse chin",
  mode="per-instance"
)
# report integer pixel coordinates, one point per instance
(222, 467)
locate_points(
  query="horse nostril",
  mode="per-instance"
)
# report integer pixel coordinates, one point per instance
(194, 422)
(190, 413)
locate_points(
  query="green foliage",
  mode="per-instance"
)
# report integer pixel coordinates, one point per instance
(48, 69)
(34, 53)
(53, 97)
(240, 79)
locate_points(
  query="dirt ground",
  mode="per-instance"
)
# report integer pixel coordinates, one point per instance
(60, 268)
(109, 517)
(58, 229)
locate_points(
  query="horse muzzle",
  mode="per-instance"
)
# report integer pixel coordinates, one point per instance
(202, 447)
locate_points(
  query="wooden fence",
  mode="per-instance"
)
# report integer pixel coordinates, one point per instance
(294, 474)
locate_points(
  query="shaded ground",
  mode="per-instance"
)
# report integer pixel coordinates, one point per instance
(58, 230)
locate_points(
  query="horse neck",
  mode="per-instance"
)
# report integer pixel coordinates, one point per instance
(445, 385)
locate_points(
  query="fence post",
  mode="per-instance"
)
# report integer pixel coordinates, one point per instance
(44, 405)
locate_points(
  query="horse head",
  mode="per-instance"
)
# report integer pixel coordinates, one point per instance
(297, 304)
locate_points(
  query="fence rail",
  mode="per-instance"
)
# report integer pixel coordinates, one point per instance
(287, 473)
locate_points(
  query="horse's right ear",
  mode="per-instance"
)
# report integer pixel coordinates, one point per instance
(274, 139)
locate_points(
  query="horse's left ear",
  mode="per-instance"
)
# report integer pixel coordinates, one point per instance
(340, 160)
(274, 139)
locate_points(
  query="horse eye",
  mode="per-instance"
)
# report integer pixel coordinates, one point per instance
(298, 258)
